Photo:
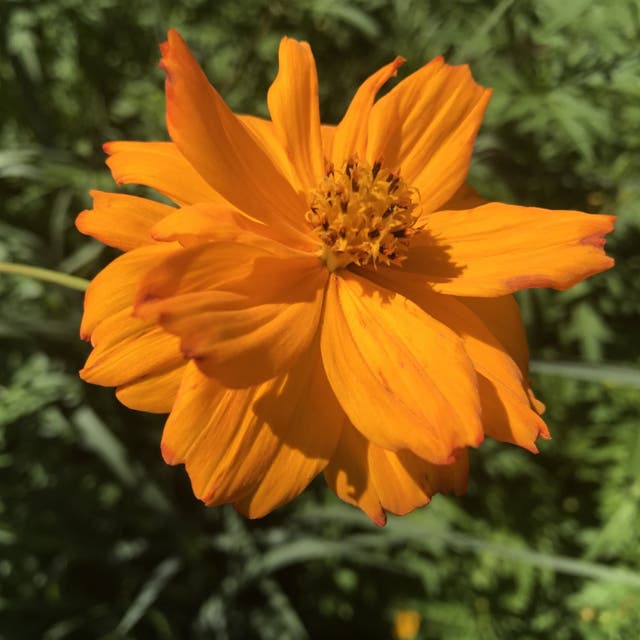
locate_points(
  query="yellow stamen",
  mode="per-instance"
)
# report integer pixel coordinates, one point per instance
(363, 215)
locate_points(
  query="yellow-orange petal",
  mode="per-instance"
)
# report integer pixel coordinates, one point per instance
(246, 346)
(113, 289)
(378, 480)
(506, 410)
(241, 330)
(295, 110)
(120, 220)
(265, 134)
(160, 166)
(399, 479)
(502, 317)
(450, 478)
(154, 393)
(351, 133)
(229, 439)
(208, 222)
(219, 146)
(222, 266)
(378, 350)
(466, 197)
(405, 482)
(307, 443)
(225, 444)
(498, 248)
(426, 127)
(349, 476)
(192, 271)
(328, 132)
(126, 349)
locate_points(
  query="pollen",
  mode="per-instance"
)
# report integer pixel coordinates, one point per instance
(363, 215)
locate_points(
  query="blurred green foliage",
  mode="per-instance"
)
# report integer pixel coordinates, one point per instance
(98, 539)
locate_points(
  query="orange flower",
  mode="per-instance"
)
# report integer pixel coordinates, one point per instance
(406, 624)
(323, 298)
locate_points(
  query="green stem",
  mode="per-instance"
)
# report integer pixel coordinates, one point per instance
(48, 275)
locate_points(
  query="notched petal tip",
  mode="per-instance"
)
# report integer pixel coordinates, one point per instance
(80, 221)
(598, 239)
(168, 455)
(396, 63)
(475, 445)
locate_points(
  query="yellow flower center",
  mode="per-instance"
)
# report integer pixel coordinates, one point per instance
(363, 215)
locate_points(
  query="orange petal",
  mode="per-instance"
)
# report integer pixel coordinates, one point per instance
(328, 132)
(229, 439)
(127, 349)
(351, 134)
(499, 248)
(266, 136)
(307, 444)
(160, 166)
(466, 197)
(506, 410)
(450, 478)
(242, 330)
(349, 476)
(154, 394)
(502, 317)
(112, 290)
(216, 267)
(293, 105)
(204, 267)
(376, 479)
(220, 147)
(121, 221)
(405, 482)
(399, 479)
(426, 127)
(378, 349)
(225, 443)
(220, 223)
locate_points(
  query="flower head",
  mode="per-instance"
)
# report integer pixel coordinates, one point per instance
(323, 298)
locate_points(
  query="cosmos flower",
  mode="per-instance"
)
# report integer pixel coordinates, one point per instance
(323, 298)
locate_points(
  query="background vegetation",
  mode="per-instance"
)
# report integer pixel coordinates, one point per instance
(99, 539)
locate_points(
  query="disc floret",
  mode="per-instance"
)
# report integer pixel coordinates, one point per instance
(363, 215)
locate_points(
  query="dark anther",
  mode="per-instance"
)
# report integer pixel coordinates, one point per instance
(349, 168)
(399, 233)
(394, 184)
(392, 255)
(343, 232)
(374, 233)
(325, 224)
(344, 204)
(388, 211)
(355, 187)
(376, 168)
